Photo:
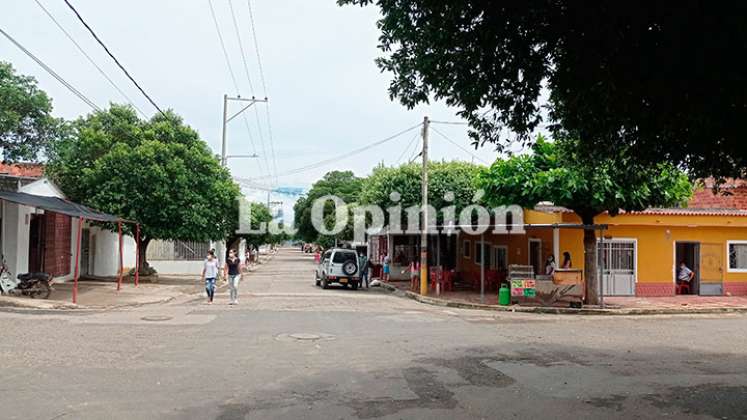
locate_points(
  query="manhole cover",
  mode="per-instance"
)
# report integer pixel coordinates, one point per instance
(156, 318)
(304, 337)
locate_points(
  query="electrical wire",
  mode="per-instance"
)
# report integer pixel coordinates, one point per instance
(251, 85)
(264, 86)
(233, 79)
(80, 18)
(223, 47)
(347, 154)
(90, 60)
(59, 78)
(459, 146)
(407, 148)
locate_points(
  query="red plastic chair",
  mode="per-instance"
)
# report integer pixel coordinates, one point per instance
(683, 288)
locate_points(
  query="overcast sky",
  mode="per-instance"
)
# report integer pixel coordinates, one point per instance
(327, 96)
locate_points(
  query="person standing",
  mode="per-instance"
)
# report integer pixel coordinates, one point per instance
(566, 260)
(209, 273)
(232, 271)
(363, 267)
(550, 265)
(385, 269)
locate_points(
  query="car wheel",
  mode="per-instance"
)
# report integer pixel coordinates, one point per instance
(325, 285)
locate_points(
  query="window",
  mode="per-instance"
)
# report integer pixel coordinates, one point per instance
(479, 254)
(500, 259)
(737, 255)
(342, 256)
(466, 249)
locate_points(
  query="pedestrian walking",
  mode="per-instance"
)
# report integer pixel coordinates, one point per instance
(363, 267)
(210, 271)
(232, 271)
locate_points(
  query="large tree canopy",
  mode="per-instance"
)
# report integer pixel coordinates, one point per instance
(157, 172)
(343, 184)
(554, 172)
(443, 177)
(665, 78)
(26, 123)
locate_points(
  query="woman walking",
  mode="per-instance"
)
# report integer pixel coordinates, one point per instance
(232, 271)
(209, 273)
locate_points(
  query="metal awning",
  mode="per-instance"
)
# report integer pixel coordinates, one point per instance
(59, 205)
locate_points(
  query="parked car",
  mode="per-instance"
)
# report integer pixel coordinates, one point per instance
(338, 266)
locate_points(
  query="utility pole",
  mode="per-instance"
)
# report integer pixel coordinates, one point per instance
(226, 119)
(424, 213)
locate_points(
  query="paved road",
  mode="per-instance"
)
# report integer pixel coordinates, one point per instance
(291, 350)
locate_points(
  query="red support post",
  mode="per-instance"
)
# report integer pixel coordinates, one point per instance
(77, 260)
(137, 257)
(119, 280)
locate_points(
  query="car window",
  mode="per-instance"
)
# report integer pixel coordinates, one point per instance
(327, 254)
(341, 257)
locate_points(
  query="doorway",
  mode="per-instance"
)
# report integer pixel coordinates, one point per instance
(689, 253)
(36, 243)
(535, 255)
(85, 252)
(618, 257)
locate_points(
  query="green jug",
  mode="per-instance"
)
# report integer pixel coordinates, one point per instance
(504, 295)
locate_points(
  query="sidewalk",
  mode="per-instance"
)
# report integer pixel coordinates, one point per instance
(100, 295)
(613, 305)
(104, 294)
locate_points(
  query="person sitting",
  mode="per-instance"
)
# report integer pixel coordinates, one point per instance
(566, 260)
(685, 276)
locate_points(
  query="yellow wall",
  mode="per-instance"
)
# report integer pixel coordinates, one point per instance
(656, 236)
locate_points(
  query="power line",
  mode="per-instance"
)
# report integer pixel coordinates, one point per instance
(80, 18)
(233, 77)
(90, 60)
(59, 78)
(264, 85)
(407, 148)
(251, 85)
(346, 155)
(241, 46)
(459, 145)
(223, 47)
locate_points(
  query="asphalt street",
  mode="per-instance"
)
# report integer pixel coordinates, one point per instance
(292, 350)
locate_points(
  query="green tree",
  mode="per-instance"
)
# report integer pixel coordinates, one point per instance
(343, 184)
(260, 214)
(157, 172)
(443, 177)
(26, 122)
(556, 172)
(663, 79)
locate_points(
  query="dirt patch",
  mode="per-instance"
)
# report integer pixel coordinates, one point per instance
(715, 400)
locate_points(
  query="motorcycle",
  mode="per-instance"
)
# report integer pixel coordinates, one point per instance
(35, 285)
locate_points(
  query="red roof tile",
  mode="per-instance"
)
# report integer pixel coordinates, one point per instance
(24, 170)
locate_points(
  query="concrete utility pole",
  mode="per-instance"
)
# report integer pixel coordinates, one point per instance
(223, 151)
(424, 213)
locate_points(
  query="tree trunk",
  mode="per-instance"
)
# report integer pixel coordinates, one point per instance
(590, 262)
(145, 269)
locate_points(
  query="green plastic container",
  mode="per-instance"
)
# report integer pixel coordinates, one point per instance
(504, 295)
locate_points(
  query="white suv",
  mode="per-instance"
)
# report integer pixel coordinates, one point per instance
(338, 266)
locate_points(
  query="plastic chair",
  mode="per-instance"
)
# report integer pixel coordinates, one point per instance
(682, 288)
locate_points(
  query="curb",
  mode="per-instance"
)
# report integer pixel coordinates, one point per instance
(558, 311)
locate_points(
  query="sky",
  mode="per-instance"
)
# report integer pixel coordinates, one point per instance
(326, 95)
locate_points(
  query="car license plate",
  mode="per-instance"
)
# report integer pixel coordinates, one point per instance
(343, 280)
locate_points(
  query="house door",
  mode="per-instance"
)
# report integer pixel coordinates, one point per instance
(36, 243)
(618, 275)
(535, 256)
(711, 269)
(85, 251)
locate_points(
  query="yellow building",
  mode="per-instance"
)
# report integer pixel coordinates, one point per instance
(642, 252)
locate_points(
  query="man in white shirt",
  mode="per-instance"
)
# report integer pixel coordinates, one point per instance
(685, 275)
